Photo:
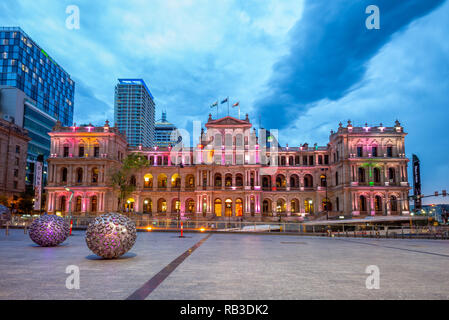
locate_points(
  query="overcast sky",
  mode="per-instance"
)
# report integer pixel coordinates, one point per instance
(299, 66)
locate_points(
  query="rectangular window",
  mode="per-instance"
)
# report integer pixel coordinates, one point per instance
(326, 159)
(359, 152)
(17, 149)
(374, 151)
(96, 152)
(81, 152)
(304, 160)
(66, 152)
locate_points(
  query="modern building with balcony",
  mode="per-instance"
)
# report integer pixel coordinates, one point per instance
(362, 171)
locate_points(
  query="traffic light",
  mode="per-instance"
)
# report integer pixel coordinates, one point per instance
(436, 193)
(444, 193)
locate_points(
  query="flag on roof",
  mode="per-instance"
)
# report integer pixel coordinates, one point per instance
(214, 104)
(236, 104)
(225, 100)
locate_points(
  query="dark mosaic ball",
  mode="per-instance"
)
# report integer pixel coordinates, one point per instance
(49, 231)
(111, 235)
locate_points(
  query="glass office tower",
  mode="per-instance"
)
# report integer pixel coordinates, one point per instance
(164, 136)
(48, 88)
(134, 112)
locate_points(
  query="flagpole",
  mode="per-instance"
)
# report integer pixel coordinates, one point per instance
(228, 106)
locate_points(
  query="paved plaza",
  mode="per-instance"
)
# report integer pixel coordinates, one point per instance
(228, 267)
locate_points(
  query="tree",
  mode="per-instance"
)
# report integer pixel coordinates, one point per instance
(121, 177)
(25, 202)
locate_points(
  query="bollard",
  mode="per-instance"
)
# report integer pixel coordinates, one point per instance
(7, 228)
(24, 228)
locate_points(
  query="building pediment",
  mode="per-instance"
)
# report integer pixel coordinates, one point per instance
(228, 122)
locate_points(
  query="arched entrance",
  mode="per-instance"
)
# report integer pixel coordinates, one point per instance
(239, 207)
(190, 206)
(147, 206)
(94, 204)
(218, 208)
(308, 206)
(228, 208)
(162, 206)
(129, 205)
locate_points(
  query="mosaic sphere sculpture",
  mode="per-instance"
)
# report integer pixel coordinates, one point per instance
(111, 235)
(49, 231)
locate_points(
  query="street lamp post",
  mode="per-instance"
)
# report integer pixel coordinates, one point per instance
(70, 206)
(179, 200)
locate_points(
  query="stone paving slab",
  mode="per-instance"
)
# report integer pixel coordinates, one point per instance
(229, 267)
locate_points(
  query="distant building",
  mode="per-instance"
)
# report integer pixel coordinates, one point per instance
(164, 131)
(437, 211)
(134, 112)
(13, 152)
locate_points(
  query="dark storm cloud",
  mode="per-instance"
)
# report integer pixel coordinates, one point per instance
(330, 47)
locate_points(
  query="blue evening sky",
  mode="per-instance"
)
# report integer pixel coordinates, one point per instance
(301, 66)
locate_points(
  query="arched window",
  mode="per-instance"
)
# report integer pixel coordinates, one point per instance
(217, 180)
(281, 182)
(294, 181)
(323, 180)
(217, 207)
(147, 206)
(362, 203)
(190, 181)
(63, 204)
(378, 203)
(79, 175)
(64, 175)
(281, 206)
(393, 204)
(161, 206)
(266, 182)
(308, 206)
(78, 204)
(190, 206)
(239, 180)
(238, 207)
(176, 181)
(94, 204)
(294, 206)
(162, 181)
(308, 181)
(148, 181)
(266, 206)
(228, 180)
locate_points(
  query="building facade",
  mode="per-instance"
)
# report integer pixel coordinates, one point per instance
(17, 107)
(13, 152)
(229, 174)
(46, 91)
(134, 112)
(165, 133)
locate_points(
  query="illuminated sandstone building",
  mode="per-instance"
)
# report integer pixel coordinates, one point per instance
(235, 172)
